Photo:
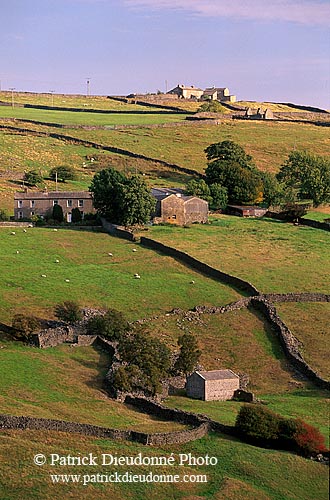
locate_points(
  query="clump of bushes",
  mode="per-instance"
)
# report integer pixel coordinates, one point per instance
(111, 325)
(25, 325)
(68, 311)
(263, 427)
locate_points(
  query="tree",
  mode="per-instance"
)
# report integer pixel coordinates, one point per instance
(57, 213)
(3, 215)
(233, 169)
(63, 172)
(76, 215)
(219, 195)
(308, 175)
(112, 325)
(211, 107)
(107, 191)
(25, 325)
(272, 190)
(33, 178)
(189, 354)
(137, 203)
(199, 188)
(149, 355)
(68, 311)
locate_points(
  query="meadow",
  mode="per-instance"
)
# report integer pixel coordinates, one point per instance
(273, 255)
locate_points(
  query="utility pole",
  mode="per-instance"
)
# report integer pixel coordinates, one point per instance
(52, 94)
(165, 86)
(12, 96)
(56, 180)
(88, 81)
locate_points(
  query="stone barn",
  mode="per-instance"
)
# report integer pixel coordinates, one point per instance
(215, 385)
(179, 209)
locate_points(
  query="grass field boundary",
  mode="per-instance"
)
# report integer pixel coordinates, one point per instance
(89, 144)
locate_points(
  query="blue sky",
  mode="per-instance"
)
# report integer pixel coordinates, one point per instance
(275, 50)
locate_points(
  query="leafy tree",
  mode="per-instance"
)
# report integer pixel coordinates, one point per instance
(76, 215)
(292, 211)
(64, 173)
(211, 106)
(57, 213)
(137, 203)
(228, 151)
(233, 169)
(150, 355)
(308, 175)
(68, 311)
(219, 196)
(107, 191)
(25, 325)
(3, 215)
(273, 193)
(112, 325)
(189, 354)
(33, 178)
(199, 188)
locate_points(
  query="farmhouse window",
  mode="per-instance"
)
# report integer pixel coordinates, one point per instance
(32, 213)
(20, 203)
(20, 215)
(80, 203)
(32, 203)
(69, 203)
(55, 202)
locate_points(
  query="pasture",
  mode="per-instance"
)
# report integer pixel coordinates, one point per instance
(96, 279)
(274, 256)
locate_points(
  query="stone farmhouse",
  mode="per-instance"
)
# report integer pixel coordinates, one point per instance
(215, 385)
(175, 208)
(218, 94)
(184, 92)
(214, 93)
(30, 203)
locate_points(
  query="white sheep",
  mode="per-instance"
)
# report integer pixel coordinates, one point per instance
(13, 232)
(137, 276)
(44, 275)
(54, 229)
(57, 261)
(17, 251)
(134, 250)
(67, 281)
(110, 254)
(24, 231)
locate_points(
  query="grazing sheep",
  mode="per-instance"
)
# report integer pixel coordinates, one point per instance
(54, 229)
(24, 231)
(67, 281)
(137, 276)
(13, 232)
(44, 275)
(57, 261)
(17, 251)
(110, 254)
(134, 250)
(192, 282)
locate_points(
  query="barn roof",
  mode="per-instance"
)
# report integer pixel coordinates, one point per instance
(217, 374)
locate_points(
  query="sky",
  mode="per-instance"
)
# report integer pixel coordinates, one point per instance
(262, 50)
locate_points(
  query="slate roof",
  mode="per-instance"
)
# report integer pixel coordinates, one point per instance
(52, 195)
(217, 374)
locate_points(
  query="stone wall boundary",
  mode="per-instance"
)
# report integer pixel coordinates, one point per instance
(119, 231)
(205, 269)
(288, 341)
(152, 439)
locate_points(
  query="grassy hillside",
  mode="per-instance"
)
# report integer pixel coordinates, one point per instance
(242, 472)
(96, 279)
(273, 255)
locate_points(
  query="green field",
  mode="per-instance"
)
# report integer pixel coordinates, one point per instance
(274, 256)
(96, 279)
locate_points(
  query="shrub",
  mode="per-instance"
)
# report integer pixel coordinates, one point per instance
(258, 423)
(63, 173)
(68, 311)
(57, 213)
(25, 325)
(3, 216)
(76, 215)
(112, 325)
(308, 439)
(33, 178)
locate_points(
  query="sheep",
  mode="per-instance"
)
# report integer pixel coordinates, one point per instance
(110, 254)
(13, 232)
(137, 276)
(24, 231)
(67, 281)
(44, 275)
(54, 229)
(17, 251)
(192, 282)
(134, 250)
(57, 261)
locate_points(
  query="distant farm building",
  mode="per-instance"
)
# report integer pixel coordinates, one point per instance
(259, 114)
(184, 92)
(218, 94)
(31, 203)
(175, 208)
(215, 385)
(245, 211)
